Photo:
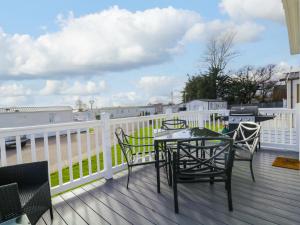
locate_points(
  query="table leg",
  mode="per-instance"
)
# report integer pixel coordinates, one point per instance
(157, 165)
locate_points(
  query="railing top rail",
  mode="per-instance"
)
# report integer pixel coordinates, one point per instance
(13, 131)
(277, 109)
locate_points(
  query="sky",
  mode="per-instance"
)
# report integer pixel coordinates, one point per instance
(133, 52)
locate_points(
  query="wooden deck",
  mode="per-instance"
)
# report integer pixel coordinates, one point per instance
(273, 199)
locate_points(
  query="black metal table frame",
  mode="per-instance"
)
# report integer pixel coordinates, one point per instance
(164, 142)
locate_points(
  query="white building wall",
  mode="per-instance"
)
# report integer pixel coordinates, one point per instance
(292, 98)
(20, 119)
(123, 112)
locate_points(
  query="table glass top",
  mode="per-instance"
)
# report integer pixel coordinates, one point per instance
(20, 220)
(184, 134)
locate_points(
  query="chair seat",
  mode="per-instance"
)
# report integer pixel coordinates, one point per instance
(242, 154)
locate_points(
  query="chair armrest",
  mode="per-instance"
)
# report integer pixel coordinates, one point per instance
(10, 204)
(28, 173)
(138, 137)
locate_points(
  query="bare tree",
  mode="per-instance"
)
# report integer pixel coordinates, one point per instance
(250, 83)
(219, 52)
(80, 105)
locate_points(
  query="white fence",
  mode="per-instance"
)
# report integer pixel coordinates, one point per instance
(84, 151)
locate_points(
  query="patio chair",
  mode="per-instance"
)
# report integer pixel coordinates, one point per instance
(174, 124)
(246, 138)
(25, 189)
(133, 152)
(190, 167)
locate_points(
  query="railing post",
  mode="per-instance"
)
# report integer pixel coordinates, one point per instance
(201, 119)
(169, 112)
(298, 127)
(106, 143)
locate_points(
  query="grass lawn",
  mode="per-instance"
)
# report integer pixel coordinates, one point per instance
(115, 160)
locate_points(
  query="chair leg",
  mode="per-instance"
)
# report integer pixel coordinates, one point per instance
(51, 213)
(128, 175)
(175, 197)
(251, 169)
(229, 197)
(175, 190)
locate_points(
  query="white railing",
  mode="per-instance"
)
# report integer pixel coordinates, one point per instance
(80, 152)
(279, 133)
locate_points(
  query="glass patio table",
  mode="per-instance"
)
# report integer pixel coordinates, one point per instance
(19, 220)
(162, 138)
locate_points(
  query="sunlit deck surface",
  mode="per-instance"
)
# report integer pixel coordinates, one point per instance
(273, 199)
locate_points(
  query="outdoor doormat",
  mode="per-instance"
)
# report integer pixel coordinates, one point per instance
(288, 163)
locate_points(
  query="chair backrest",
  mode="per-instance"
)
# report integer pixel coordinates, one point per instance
(10, 205)
(248, 134)
(203, 158)
(174, 124)
(124, 144)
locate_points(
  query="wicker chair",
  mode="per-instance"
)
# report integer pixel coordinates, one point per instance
(188, 166)
(25, 188)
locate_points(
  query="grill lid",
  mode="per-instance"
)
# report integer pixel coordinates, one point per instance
(244, 111)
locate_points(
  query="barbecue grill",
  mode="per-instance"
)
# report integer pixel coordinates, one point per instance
(239, 114)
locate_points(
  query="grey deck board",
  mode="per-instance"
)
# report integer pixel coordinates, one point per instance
(84, 211)
(107, 211)
(69, 215)
(213, 203)
(57, 219)
(273, 199)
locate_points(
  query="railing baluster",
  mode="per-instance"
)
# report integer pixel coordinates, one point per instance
(70, 159)
(97, 148)
(139, 141)
(291, 128)
(122, 156)
(88, 146)
(143, 140)
(133, 134)
(79, 152)
(33, 147)
(46, 154)
(148, 140)
(214, 121)
(19, 150)
(115, 146)
(3, 152)
(58, 158)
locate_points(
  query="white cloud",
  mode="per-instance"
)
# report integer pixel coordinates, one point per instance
(157, 85)
(253, 9)
(111, 40)
(126, 98)
(56, 87)
(14, 90)
(244, 32)
(158, 89)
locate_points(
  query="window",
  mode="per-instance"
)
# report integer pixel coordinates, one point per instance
(298, 93)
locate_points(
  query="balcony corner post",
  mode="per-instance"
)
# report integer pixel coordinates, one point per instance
(169, 112)
(298, 127)
(106, 143)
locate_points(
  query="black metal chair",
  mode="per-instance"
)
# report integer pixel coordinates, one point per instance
(25, 188)
(174, 124)
(246, 138)
(190, 165)
(132, 152)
